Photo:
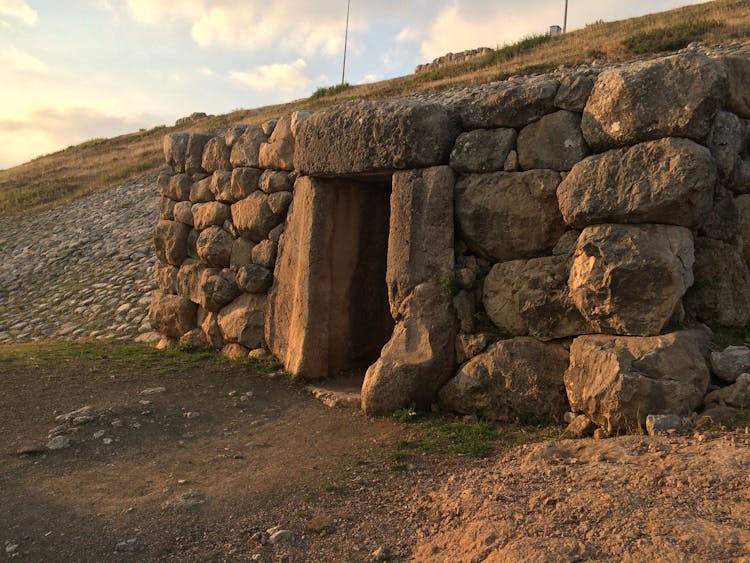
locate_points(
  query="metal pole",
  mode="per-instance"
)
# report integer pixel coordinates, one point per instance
(346, 40)
(565, 21)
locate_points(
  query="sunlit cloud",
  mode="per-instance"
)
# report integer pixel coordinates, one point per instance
(19, 10)
(206, 71)
(407, 34)
(369, 78)
(275, 77)
(20, 60)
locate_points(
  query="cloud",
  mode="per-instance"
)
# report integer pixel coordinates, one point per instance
(287, 78)
(19, 10)
(206, 71)
(406, 35)
(47, 130)
(4, 24)
(372, 77)
(20, 60)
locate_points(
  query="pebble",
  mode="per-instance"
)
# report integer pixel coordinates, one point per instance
(58, 443)
(81, 270)
(153, 390)
(281, 536)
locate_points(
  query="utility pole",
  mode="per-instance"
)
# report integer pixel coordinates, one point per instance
(565, 20)
(346, 38)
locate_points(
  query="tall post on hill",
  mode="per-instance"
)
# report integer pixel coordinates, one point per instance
(565, 19)
(346, 40)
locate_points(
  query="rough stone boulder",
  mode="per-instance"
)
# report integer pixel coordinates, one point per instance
(170, 240)
(630, 104)
(509, 215)
(727, 141)
(216, 156)
(743, 207)
(619, 380)
(214, 247)
(418, 359)
(200, 191)
(524, 297)
(165, 277)
(272, 181)
(258, 213)
(669, 181)
(420, 245)
(175, 148)
(171, 315)
(217, 288)
(374, 136)
(242, 320)
(183, 212)
(221, 186)
(512, 104)
(721, 294)
(554, 142)
(208, 214)
(166, 208)
(194, 153)
(482, 150)
(731, 362)
(176, 187)
(246, 149)
(517, 379)
(244, 182)
(736, 395)
(278, 152)
(242, 252)
(628, 279)
(253, 278)
(264, 253)
(574, 92)
(738, 91)
(208, 322)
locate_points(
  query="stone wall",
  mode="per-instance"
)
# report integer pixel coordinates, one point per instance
(554, 243)
(453, 58)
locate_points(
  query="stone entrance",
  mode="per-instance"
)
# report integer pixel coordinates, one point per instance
(329, 311)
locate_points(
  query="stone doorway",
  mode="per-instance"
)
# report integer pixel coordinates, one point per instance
(329, 312)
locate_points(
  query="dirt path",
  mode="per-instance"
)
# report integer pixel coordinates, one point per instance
(202, 470)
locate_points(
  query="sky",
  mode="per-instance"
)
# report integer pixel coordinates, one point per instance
(74, 70)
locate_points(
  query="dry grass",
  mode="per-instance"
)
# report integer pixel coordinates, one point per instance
(100, 163)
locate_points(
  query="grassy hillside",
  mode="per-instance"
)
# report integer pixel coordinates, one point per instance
(101, 163)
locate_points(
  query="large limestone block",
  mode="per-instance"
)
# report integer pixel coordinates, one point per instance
(736, 395)
(674, 96)
(420, 245)
(328, 308)
(628, 279)
(738, 91)
(175, 148)
(517, 379)
(246, 149)
(418, 359)
(194, 153)
(170, 241)
(211, 288)
(721, 294)
(175, 187)
(242, 320)
(221, 186)
(617, 380)
(512, 104)
(207, 214)
(554, 142)
(373, 136)
(278, 152)
(214, 247)
(669, 181)
(743, 207)
(523, 297)
(509, 215)
(482, 150)
(258, 213)
(730, 363)
(171, 315)
(216, 156)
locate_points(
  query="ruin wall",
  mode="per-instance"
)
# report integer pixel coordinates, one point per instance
(521, 249)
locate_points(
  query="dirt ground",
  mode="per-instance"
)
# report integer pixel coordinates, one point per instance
(207, 468)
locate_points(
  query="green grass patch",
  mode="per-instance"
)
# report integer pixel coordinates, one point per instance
(32, 196)
(670, 38)
(324, 92)
(440, 434)
(127, 170)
